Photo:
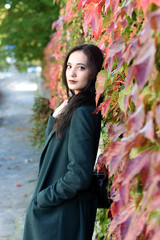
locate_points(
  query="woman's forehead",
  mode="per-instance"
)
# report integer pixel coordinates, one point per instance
(78, 57)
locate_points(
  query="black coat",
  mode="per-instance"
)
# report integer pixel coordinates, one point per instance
(64, 205)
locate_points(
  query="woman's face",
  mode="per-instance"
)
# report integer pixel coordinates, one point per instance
(78, 71)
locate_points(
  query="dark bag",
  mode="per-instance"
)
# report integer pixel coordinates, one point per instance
(100, 182)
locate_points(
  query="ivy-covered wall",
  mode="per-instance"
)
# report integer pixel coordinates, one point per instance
(128, 32)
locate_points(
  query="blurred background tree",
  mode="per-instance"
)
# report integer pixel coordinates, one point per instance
(26, 26)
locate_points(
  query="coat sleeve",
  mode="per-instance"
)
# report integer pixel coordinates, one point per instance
(81, 155)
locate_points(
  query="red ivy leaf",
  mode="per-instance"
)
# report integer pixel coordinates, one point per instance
(130, 75)
(154, 18)
(102, 42)
(110, 28)
(124, 193)
(115, 4)
(92, 17)
(146, 176)
(114, 131)
(143, 71)
(127, 213)
(145, 3)
(136, 226)
(144, 61)
(155, 203)
(156, 236)
(148, 130)
(136, 165)
(52, 102)
(136, 120)
(130, 50)
(134, 141)
(57, 24)
(110, 63)
(157, 114)
(81, 3)
(107, 4)
(97, 33)
(153, 190)
(100, 86)
(116, 47)
(134, 93)
(113, 155)
(120, 63)
(156, 163)
(129, 7)
(105, 106)
(125, 225)
(115, 208)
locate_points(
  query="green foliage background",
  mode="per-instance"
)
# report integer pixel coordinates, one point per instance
(28, 26)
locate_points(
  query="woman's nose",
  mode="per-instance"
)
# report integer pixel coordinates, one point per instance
(73, 72)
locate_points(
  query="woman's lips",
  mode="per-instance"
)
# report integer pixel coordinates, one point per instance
(72, 81)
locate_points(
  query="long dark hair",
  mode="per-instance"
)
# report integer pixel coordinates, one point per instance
(85, 96)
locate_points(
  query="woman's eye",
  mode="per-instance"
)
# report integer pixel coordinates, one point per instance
(81, 68)
(68, 66)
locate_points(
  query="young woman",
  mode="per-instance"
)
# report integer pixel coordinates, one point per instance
(64, 206)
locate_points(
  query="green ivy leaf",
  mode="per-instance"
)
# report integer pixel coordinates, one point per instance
(134, 16)
(122, 95)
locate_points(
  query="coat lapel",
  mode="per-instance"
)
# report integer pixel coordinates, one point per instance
(48, 138)
(45, 146)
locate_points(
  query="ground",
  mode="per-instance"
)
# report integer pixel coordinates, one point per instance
(18, 159)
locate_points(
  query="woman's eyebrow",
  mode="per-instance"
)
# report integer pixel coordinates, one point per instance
(82, 64)
(78, 64)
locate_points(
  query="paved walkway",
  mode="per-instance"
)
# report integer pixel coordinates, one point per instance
(18, 160)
